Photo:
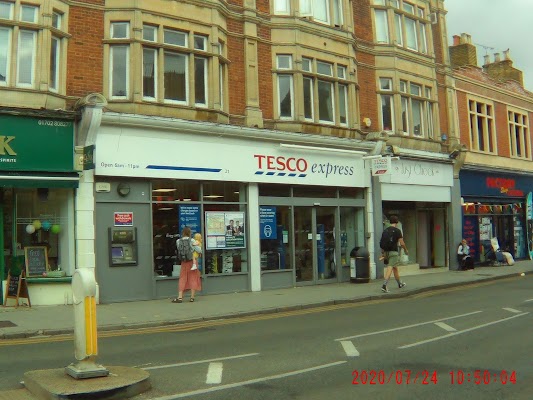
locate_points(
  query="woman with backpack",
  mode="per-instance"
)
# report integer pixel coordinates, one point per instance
(189, 279)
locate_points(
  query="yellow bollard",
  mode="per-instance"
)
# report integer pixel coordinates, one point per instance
(85, 327)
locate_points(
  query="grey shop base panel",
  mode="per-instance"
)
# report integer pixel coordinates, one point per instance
(345, 273)
(279, 279)
(211, 284)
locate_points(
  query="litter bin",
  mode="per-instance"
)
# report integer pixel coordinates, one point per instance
(360, 272)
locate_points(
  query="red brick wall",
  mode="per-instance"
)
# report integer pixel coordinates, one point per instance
(236, 87)
(363, 20)
(367, 92)
(85, 49)
(502, 130)
(263, 6)
(464, 124)
(264, 56)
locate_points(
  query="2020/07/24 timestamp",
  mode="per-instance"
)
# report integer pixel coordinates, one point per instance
(482, 377)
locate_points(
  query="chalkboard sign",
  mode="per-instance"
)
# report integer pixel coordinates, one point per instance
(17, 288)
(36, 260)
(13, 285)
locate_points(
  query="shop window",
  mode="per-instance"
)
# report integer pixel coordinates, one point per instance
(315, 191)
(266, 189)
(166, 190)
(42, 220)
(224, 192)
(225, 239)
(166, 232)
(275, 238)
(351, 193)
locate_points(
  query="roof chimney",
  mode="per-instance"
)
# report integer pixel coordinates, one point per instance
(486, 59)
(503, 70)
(463, 52)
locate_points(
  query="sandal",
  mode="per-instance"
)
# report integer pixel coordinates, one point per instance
(177, 300)
(192, 300)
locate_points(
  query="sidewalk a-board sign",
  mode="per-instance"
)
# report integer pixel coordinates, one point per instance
(17, 288)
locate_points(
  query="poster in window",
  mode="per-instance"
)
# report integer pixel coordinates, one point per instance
(224, 230)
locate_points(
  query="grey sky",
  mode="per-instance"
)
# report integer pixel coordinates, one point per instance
(501, 24)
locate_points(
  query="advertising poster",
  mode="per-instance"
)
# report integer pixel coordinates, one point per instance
(224, 230)
(189, 215)
(267, 223)
(123, 219)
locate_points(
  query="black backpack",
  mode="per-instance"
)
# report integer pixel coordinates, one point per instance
(389, 239)
(184, 249)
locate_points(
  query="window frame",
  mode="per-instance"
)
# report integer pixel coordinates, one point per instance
(185, 57)
(155, 52)
(11, 10)
(115, 24)
(524, 132)
(8, 55)
(126, 72)
(57, 60)
(33, 59)
(35, 8)
(488, 121)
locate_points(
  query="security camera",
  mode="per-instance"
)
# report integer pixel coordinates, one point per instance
(454, 154)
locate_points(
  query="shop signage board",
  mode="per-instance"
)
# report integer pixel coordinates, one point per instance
(381, 166)
(36, 144)
(36, 258)
(411, 172)
(166, 154)
(16, 288)
(224, 230)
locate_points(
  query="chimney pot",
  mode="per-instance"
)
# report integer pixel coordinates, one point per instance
(506, 55)
(497, 57)
(456, 40)
(464, 38)
(486, 60)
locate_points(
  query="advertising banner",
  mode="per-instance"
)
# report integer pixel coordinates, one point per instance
(224, 230)
(267, 223)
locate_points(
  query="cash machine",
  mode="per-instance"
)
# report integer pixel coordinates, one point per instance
(122, 246)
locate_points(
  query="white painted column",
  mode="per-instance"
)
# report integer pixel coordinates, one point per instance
(371, 229)
(254, 243)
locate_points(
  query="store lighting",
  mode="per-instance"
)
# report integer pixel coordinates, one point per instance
(213, 196)
(165, 208)
(326, 149)
(164, 190)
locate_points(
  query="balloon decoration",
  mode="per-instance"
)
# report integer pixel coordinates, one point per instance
(37, 224)
(46, 225)
(55, 229)
(30, 229)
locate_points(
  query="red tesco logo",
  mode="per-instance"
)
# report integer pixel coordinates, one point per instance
(274, 163)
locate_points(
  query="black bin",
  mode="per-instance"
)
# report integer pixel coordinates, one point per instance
(361, 257)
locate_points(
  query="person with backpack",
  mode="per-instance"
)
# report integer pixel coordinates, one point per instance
(189, 279)
(391, 241)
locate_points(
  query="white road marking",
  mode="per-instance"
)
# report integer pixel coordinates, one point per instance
(349, 348)
(214, 373)
(248, 382)
(201, 361)
(512, 310)
(528, 300)
(463, 331)
(408, 326)
(446, 327)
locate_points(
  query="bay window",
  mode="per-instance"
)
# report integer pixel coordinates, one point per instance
(149, 73)
(323, 94)
(22, 33)
(415, 107)
(176, 73)
(409, 24)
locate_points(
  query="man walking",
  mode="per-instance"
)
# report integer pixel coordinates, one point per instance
(391, 241)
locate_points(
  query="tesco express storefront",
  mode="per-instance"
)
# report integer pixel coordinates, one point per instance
(273, 212)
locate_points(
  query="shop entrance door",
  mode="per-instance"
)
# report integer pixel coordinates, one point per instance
(314, 244)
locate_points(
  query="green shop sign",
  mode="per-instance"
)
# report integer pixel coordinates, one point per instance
(36, 144)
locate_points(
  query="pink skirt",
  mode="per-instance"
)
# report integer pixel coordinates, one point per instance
(189, 279)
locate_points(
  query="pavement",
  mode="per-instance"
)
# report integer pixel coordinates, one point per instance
(23, 322)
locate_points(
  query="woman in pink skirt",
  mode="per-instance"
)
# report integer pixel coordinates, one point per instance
(189, 279)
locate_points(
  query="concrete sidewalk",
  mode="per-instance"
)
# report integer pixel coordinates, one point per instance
(52, 320)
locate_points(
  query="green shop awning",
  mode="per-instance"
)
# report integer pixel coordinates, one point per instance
(27, 180)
